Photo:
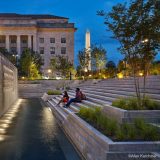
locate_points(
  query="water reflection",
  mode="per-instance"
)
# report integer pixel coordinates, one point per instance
(29, 132)
(7, 119)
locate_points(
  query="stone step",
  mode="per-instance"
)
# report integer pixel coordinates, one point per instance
(63, 114)
(149, 87)
(156, 125)
(84, 103)
(117, 93)
(101, 88)
(87, 102)
(67, 110)
(72, 106)
(100, 97)
(154, 82)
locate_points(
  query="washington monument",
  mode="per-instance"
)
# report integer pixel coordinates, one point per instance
(88, 49)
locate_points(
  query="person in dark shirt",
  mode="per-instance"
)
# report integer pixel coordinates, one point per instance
(76, 99)
(64, 99)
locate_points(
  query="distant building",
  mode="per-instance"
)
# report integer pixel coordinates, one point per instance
(49, 35)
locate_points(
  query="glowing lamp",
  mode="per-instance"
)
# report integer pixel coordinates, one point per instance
(140, 74)
(120, 75)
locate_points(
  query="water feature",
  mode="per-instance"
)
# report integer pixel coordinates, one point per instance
(29, 131)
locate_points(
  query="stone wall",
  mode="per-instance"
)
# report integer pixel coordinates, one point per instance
(93, 145)
(8, 84)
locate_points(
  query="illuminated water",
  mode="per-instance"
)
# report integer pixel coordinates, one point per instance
(29, 132)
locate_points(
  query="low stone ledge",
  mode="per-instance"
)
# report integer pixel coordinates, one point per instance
(93, 145)
(122, 115)
(46, 97)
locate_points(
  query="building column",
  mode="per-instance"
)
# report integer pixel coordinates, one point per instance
(30, 41)
(35, 43)
(7, 43)
(18, 45)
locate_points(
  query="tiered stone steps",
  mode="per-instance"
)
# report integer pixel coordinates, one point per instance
(103, 92)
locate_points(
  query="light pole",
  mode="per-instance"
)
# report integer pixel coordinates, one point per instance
(86, 70)
(16, 59)
(49, 72)
(70, 75)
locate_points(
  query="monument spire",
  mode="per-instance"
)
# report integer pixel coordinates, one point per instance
(88, 49)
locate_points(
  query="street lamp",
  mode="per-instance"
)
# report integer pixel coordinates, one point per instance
(49, 72)
(85, 70)
(145, 40)
(16, 58)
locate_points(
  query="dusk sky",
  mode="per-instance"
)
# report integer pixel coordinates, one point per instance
(82, 13)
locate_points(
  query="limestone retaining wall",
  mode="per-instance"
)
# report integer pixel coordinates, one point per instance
(151, 116)
(8, 84)
(95, 146)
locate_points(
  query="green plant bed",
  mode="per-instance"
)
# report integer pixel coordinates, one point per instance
(131, 104)
(54, 92)
(138, 131)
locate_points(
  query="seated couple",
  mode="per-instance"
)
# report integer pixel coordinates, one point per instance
(79, 96)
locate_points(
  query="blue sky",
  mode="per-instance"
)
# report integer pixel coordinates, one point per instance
(81, 12)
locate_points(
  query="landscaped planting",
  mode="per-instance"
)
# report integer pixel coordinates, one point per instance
(139, 130)
(131, 104)
(54, 92)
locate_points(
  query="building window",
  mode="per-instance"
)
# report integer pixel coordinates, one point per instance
(63, 40)
(52, 40)
(41, 50)
(63, 50)
(52, 50)
(13, 41)
(41, 40)
(2, 39)
(24, 41)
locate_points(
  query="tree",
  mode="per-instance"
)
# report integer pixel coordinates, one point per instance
(34, 72)
(62, 65)
(53, 64)
(28, 62)
(155, 68)
(98, 57)
(136, 26)
(111, 69)
(83, 59)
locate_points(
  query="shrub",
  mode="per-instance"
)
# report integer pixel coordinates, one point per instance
(54, 92)
(131, 104)
(68, 88)
(139, 130)
(150, 104)
(120, 103)
(57, 88)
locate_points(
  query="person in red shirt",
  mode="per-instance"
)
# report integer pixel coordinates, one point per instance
(64, 99)
(76, 99)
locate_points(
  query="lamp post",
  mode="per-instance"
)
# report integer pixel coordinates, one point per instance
(86, 70)
(70, 75)
(145, 41)
(49, 72)
(16, 59)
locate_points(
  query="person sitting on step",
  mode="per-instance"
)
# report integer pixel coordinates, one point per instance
(76, 99)
(64, 99)
(83, 96)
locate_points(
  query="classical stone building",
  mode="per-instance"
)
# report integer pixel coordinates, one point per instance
(49, 35)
